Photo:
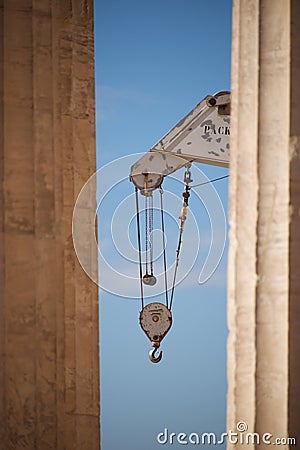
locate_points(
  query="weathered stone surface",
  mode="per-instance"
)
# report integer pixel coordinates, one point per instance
(263, 273)
(49, 369)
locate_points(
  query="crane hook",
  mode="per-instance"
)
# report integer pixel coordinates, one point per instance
(152, 357)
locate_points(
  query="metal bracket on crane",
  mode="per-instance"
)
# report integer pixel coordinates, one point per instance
(201, 136)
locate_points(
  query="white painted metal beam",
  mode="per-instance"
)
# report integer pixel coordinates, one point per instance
(201, 136)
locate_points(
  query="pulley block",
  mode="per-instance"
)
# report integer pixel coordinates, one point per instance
(155, 321)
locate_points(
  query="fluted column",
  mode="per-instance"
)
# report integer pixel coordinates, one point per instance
(263, 273)
(49, 369)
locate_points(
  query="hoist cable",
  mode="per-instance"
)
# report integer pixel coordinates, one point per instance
(139, 244)
(149, 239)
(164, 245)
(146, 232)
(151, 233)
(186, 196)
(176, 267)
(210, 181)
(181, 232)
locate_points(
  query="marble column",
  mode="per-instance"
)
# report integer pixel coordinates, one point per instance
(264, 256)
(49, 369)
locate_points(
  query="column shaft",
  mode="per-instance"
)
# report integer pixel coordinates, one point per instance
(263, 312)
(49, 372)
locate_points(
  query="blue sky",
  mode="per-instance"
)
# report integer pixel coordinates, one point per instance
(154, 62)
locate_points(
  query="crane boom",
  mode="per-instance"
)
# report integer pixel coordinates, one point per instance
(201, 136)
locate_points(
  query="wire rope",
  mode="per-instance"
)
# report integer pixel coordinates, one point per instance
(139, 244)
(164, 246)
(151, 233)
(209, 181)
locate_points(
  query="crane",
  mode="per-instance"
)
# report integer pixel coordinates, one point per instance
(202, 136)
